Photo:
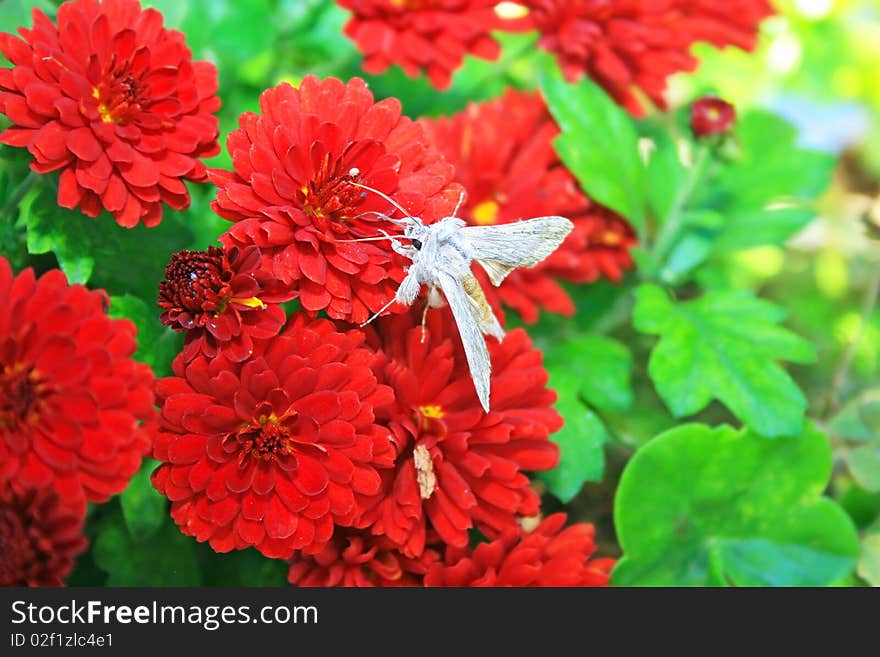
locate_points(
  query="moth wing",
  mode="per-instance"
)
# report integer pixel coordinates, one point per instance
(468, 323)
(501, 248)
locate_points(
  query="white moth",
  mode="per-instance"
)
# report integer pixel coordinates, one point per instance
(442, 254)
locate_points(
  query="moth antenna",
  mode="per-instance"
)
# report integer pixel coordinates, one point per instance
(458, 205)
(378, 312)
(383, 195)
(372, 239)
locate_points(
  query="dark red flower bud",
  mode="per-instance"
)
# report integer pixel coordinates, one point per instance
(222, 298)
(711, 116)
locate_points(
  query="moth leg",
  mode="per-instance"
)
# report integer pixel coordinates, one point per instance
(406, 294)
(435, 299)
(399, 247)
(409, 287)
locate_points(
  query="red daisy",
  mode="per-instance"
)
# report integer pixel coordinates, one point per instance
(290, 193)
(711, 116)
(458, 467)
(39, 535)
(115, 102)
(276, 451)
(423, 35)
(222, 298)
(357, 559)
(637, 44)
(503, 155)
(71, 397)
(547, 556)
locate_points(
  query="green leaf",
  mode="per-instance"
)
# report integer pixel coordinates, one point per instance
(665, 173)
(157, 344)
(724, 346)
(242, 568)
(598, 143)
(167, 559)
(604, 368)
(98, 251)
(702, 506)
(580, 443)
(49, 231)
(864, 465)
(143, 508)
(859, 419)
(699, 232)
(766, 194)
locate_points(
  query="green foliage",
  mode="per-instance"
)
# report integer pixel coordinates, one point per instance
(164, 557)
(724, 346)
(157, 344)
(586, 371)
(766, 194)
(143, 508)
(858, 423)
(599, 144)
(99, 252)
(703, 506)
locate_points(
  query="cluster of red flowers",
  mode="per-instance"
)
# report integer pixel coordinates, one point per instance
(114, 101)
(75, 418)
(361, 455)
(624, 45)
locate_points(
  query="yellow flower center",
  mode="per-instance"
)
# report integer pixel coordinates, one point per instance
(485, 213)
(431, 411)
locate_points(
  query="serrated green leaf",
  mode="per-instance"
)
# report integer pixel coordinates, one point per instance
(143, 507)
(49, 231)
(98, 251)
(598, 143)
(157, 344)
(701, 506)
(724, 346)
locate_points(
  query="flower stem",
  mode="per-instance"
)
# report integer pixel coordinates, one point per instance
(674, 222)
(20, 192)
(841, 372)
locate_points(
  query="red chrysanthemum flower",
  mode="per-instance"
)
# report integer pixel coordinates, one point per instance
(458, 467)
(290, 193)
(711, 116)
(222, 299)
(547, 556)
(39, 536)
(276, 451)
(637, 44)
(503, 155)
(423, 35)
(115, 102)
(358, 559)
(71, 397)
